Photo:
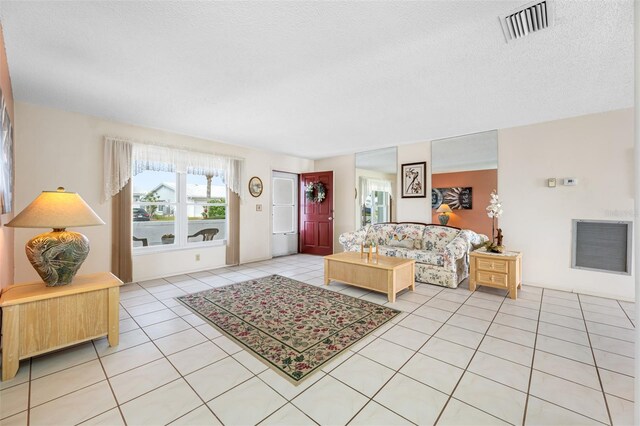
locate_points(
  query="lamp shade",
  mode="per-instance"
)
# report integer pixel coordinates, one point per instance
(444, 208)
(58, 210)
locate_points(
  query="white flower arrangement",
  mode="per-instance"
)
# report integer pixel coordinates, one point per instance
(494, 209)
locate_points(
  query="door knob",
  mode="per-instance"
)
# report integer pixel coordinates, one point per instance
(330, 218)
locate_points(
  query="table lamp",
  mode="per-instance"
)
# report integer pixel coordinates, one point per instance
(57, 255)
(444, 211)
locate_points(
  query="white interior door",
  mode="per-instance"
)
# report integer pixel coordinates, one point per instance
(284, 211)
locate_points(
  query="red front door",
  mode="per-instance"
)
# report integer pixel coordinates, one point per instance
(316, 219)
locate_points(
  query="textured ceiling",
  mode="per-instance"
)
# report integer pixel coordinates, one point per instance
(316, 79)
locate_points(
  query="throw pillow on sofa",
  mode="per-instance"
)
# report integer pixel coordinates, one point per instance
(402, 241)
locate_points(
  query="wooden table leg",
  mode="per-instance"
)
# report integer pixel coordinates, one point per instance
(11, 342)
(413, 276)
(114, 316)
(326, 272)
(391, 288)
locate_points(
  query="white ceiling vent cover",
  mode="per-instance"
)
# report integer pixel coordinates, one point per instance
(527, 19)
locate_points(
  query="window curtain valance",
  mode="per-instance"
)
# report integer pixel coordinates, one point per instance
(125, 158)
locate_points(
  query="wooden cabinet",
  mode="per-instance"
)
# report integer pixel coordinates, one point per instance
(37, 319)
(499, 270)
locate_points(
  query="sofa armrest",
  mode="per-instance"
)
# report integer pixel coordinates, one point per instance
(456, 249)
(351, 240)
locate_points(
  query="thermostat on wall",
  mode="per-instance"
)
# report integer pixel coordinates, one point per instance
(569, 181)
(551, 182)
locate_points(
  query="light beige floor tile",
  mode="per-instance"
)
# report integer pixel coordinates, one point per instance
(461, 336)
(511, 334)
(457, 413)
(246, 404)
(146, 308)
(621, 410)
(569, 395)
(181, 311)
(387, 353)
(288, 415)
(161, 405)
(165, 328)
(337, 360)
(564, 321)
(403, 305)
(500, 370)
(374, 414)
(432, 372)
(411, 399)
(442, 304)
(194, 320)
(217, 378)
(479, 313)
(516, 322)
(75, 407)
(362, 374)
(65, 381)
(330, 402)
(561, 310)
(122, 361)
(563, 333)
(611, 331)
(609, 310)
(250, 362)
(127, 340)
(433, 313)
(133, 383)
(110, 418)
(617, 346)
(208, 331)
(56, 361)
(128, 324)
(14, 400)
(492, 305)
(617, 384)
(201, 416)
(179, 341)
(406, 337)
(622, 322)
(469, 323)
(568, 369)
(155, 317)
(566, 349)
(21, 376)
(492, 397)
(453, 296)
(618, 363)
(19, 419)
(227, 345)
(137, 301)
(284, 387)
(448, 352)
(560, 301)
(519, 311)
(196, 357)
(542, 413)
(412, 296)
(421, 324)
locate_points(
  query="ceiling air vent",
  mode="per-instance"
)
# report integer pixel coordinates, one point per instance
(527, 19)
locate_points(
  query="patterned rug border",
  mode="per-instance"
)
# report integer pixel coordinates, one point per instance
(262, 359)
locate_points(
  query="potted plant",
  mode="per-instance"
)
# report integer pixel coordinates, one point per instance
(494, 211)
(167, 238)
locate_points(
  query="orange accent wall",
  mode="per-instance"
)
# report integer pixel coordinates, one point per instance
(482, 182)
(6, 234)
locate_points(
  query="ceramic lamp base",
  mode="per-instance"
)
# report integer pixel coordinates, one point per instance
(443, 218)
(57, 255)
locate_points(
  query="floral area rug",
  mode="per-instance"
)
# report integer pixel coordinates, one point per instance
(293, 327)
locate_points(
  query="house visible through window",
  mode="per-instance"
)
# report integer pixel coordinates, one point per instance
(177, 209)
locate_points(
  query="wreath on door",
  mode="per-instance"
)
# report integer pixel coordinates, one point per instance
(316, 192)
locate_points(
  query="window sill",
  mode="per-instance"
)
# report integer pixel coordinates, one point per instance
(163, 248)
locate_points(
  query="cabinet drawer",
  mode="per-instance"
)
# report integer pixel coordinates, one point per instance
(497, 265)
(492, 279)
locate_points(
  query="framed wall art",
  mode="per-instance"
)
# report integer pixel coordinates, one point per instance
(255, 186)
(458, 198)
(414, 180)
(6, 159)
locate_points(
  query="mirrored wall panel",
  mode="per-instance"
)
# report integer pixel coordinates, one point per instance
(464, 171)
(376, 173)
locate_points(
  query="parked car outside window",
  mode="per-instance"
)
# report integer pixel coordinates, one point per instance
(140, 215)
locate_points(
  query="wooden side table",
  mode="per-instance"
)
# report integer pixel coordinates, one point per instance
(37, 319)
(499, 270)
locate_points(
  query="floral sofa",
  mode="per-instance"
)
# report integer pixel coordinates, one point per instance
(441, 252)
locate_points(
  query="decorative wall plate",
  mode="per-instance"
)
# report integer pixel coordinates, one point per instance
(255, 186)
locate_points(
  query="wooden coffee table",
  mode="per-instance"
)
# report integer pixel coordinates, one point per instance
(382, 273)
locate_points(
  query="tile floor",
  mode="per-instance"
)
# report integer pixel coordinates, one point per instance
(452, 357)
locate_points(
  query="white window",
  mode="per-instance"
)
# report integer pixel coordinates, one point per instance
(177, 210)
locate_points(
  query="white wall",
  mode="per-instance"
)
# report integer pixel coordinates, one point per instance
(414, 209)
(596, 149)
(344, 186)
(59, 148)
